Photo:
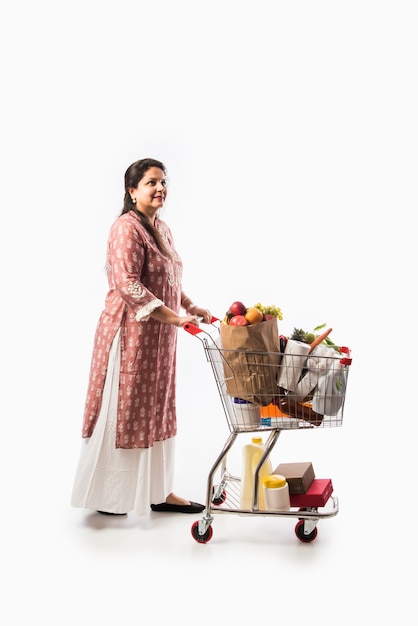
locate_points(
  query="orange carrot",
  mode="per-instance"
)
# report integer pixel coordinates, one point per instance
(320, 339)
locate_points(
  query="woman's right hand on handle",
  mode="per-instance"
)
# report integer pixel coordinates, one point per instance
(166, 315)
(188, 319)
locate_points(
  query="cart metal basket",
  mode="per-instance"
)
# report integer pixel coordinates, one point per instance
(311, 391)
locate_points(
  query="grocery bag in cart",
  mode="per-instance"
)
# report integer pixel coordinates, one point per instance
(314, 381)
(251, 357)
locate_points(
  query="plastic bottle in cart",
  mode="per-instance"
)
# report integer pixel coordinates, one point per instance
(276, 493)
(246, 415)
(251, 455)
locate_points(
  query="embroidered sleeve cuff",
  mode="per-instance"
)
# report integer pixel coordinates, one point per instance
(142, 315)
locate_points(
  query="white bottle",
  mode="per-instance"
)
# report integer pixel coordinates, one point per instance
(246, 415)
(276, 493)
(251, 455)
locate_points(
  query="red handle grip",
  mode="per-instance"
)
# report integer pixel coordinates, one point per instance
(346, 360)
(195, 330)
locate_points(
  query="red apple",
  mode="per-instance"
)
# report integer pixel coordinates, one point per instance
(238, 320)
(267, 316)
(237, 308)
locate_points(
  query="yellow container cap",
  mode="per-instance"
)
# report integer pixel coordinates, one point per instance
(257, 440)
(274, 481)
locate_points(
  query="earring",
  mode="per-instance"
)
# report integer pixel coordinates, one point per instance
(133, 200)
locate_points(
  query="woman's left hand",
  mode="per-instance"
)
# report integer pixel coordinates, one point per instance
(205, 314)
(187, 319)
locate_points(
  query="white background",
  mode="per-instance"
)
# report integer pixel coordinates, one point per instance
(289, 130)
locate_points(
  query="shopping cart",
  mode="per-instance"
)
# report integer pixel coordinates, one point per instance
(292, 406)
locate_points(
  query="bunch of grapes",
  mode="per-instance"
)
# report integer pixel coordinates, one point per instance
(271, 309)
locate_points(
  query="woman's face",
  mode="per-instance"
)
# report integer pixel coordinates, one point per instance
(151, 192)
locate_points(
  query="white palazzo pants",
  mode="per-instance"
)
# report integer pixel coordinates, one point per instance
(118, 480)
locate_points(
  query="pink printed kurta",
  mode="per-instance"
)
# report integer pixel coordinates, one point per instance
(140, 279)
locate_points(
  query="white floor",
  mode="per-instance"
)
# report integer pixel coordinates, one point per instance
(319, 222)
(67, 566)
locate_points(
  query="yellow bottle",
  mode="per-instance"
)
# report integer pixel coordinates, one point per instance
(251, 455)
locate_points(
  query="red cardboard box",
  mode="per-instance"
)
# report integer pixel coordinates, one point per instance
(317, 495)
(299, 476)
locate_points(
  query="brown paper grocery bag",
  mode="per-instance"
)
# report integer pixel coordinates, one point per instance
(251, 357)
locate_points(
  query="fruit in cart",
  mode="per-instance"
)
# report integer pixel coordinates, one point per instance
(227, 317)
(298, 334)
(314, 338)
(270, 309)
(253, 315)
(238, 320)
(237, 308)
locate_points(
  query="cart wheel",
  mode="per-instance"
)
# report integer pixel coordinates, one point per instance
(207, 535)
(220, 499)
(299, 528)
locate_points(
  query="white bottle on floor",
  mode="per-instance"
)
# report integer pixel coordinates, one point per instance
(251, 455)
(276, 493)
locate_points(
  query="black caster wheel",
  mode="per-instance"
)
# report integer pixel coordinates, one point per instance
(299, 530)
(220, 499)
(207, 535)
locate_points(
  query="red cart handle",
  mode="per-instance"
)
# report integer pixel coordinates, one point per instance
(195, 330)
(345, 360)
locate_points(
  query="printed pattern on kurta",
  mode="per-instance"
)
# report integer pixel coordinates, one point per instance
(140, 279)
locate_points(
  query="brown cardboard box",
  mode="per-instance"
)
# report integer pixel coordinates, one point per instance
(299, 476)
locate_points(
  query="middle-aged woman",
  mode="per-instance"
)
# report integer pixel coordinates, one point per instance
(130, 424)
